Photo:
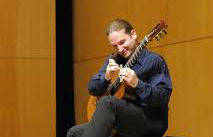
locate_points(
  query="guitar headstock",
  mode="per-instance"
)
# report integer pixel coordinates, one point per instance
(158, 31)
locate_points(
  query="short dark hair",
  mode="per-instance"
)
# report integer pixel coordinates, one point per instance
(119, 24)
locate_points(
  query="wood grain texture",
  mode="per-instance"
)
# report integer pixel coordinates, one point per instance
(27, 68)
(189, 19)
(27, 97)
(27, 28)
(83, 71)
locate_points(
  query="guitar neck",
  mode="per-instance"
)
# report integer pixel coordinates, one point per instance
(136, 53)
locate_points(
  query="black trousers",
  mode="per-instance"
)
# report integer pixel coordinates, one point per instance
(112, 113)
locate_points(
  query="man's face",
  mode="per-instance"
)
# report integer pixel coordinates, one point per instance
(123, 43)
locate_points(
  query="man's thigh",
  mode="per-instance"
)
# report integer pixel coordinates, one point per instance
(130, 118)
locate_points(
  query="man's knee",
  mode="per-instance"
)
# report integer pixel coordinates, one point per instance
(106, 101)
(76, 131)
(70, 133)
(73, 132)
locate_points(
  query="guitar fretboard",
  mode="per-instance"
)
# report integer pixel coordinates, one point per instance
(136, 53)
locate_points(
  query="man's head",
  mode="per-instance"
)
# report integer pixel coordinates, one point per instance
(122, 37)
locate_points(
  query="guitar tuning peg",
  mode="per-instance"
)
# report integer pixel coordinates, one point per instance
(160, 34)
(157, 37)
(164, 31)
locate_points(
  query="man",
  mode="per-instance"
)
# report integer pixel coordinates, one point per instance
(148, 78)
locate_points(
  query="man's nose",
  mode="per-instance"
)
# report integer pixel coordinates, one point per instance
(120, 48)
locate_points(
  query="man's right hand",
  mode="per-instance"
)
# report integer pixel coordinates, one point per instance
(112, 70)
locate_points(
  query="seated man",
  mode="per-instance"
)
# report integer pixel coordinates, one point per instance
(148, 79)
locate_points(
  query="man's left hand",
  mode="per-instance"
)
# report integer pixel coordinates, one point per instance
(129, 77)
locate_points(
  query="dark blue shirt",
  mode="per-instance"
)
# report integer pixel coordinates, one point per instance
(154, 87)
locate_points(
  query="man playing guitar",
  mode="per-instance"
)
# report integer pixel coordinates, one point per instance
(145, 75)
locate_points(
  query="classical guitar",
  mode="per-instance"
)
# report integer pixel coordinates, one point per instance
(117, 87)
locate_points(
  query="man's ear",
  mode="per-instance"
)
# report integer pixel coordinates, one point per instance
(133, 34)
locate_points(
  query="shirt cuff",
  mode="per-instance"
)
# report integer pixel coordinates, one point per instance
(104, 82)
(141, 90)
(140, 87)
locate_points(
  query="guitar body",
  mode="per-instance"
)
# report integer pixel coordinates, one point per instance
(91, 106)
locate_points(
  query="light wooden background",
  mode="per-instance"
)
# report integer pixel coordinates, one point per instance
(27, 68)
(188, 50)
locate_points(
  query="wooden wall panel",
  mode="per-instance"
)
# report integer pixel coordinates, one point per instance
(35, 28)
(8, 32)
(83, 72)
(27, 97)
(190, 19)
(36, 80)
(27, 28)
(10, 126)
(27, 68)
